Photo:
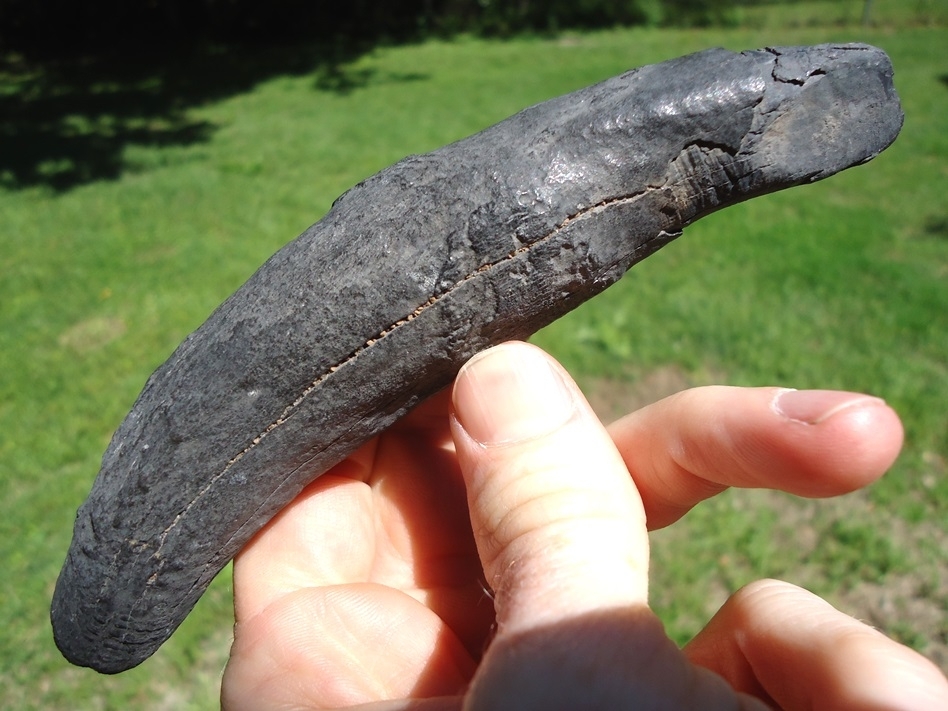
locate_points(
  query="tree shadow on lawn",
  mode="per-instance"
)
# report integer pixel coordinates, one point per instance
(66, 123)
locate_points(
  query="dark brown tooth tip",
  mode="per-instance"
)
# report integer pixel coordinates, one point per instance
(413, 271)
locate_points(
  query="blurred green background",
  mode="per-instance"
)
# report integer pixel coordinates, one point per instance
(136, 195)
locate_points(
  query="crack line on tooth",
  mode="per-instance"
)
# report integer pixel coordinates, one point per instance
(291, 408)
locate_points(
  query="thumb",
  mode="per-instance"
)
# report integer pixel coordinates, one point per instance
(560, 530)
(560, 527)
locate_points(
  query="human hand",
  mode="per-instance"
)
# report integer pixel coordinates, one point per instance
(370, 588)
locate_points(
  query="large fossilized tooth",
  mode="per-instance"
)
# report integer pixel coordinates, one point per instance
(413, 271)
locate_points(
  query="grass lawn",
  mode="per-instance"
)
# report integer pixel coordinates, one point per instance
(111, 257)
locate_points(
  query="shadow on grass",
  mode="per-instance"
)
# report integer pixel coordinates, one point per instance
(67, 123)
(937, 226)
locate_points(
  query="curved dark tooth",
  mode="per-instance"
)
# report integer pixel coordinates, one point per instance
(413, 271)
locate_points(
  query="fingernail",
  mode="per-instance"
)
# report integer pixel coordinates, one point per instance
(510, 393)
(812, 407)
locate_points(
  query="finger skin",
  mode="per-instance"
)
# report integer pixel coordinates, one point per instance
(346, 598)
(693, 445)
(355, 644)
(554, 475)
(561, 534)
(785, 645)
(413, 271)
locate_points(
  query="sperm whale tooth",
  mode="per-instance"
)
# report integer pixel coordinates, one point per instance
(413, 271)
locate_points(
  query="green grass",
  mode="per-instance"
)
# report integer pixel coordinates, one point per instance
(842, 284)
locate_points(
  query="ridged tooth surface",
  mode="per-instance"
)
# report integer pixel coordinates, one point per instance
(414, 270)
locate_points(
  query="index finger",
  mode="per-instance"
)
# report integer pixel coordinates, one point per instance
(813, 443)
